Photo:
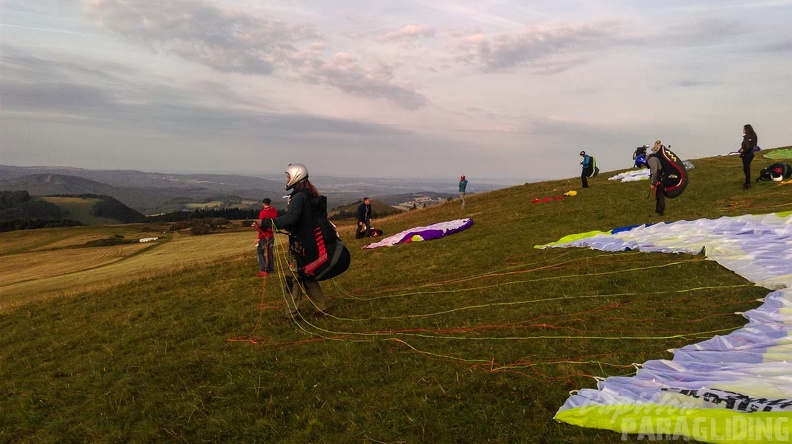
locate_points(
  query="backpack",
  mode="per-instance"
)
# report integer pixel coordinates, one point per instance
(639, 157)
(776, 172)
(593, 167)
(673, 172)
(323, 255)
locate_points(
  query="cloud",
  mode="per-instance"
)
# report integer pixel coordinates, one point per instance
(409, 33)
(231, 41)
(545, 49)
(54, 90)
(345, 73)
(200, 32)
(780, 46)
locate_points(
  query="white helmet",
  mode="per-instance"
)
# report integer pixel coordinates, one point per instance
(295, 172)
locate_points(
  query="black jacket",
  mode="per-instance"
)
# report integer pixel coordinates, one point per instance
(364, 213)
(747, 147)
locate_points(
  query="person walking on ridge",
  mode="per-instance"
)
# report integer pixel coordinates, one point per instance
(364, 219)
(588, 168)
(656, 178)
(462, 187)
(750, 139)
(266, 240)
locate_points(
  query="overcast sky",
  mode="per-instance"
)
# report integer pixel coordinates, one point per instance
(410, 88)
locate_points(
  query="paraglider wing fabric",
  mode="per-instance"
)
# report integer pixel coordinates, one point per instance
(785, 153)
(631, 176)
(434, 231)
(743, 376)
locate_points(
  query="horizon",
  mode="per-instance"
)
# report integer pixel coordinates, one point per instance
(510, 90)
(279, 175)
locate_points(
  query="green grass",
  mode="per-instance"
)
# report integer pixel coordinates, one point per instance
(476, 338)
(79, 209)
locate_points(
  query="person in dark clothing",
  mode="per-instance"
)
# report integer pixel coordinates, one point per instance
(656, 178)
(364, 219)
(750, 139)
(293, 220)
(588, 168)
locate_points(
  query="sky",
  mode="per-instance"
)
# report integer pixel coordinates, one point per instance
(498, 89)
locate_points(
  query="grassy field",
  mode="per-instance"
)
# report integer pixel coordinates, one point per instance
(79, 208)
(478, 337)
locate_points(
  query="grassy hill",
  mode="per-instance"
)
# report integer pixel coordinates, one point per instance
(20, 210)
(477, 337)
(147, 193)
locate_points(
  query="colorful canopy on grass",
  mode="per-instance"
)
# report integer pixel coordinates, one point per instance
(732, 388)
(550, 199)
(632, 176)
(785, 153)
(434, 231)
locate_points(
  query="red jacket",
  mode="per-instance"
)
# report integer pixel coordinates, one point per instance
(266, 213)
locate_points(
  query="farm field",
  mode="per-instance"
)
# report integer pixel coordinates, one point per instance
(39, 264)
(79, 208)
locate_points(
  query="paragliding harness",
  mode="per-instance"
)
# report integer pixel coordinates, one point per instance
(319, 251)
(775, 172)
(592, 167)
(673, 173)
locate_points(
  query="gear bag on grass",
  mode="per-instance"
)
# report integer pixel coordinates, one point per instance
(323, 255)
(674, 174)
(775, 172)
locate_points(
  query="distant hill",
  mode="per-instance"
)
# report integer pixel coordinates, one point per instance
(147, 200)
(46, 184)
(20, 210)
(155, 193)
(422, 199)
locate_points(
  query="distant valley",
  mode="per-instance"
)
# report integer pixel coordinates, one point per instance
(154, 193)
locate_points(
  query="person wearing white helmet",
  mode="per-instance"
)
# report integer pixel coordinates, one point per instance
(293, 220)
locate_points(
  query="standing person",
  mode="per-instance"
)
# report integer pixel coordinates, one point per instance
(750, 139)
(364, 219)
(266, 240)
(588, 168)
(656, 178)
(462, 187)
(297, 221)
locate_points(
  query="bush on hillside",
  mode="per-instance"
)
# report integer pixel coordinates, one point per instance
(226, 213)
(31, 224)
(115, 239)
(207, 226)
(11, 199)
